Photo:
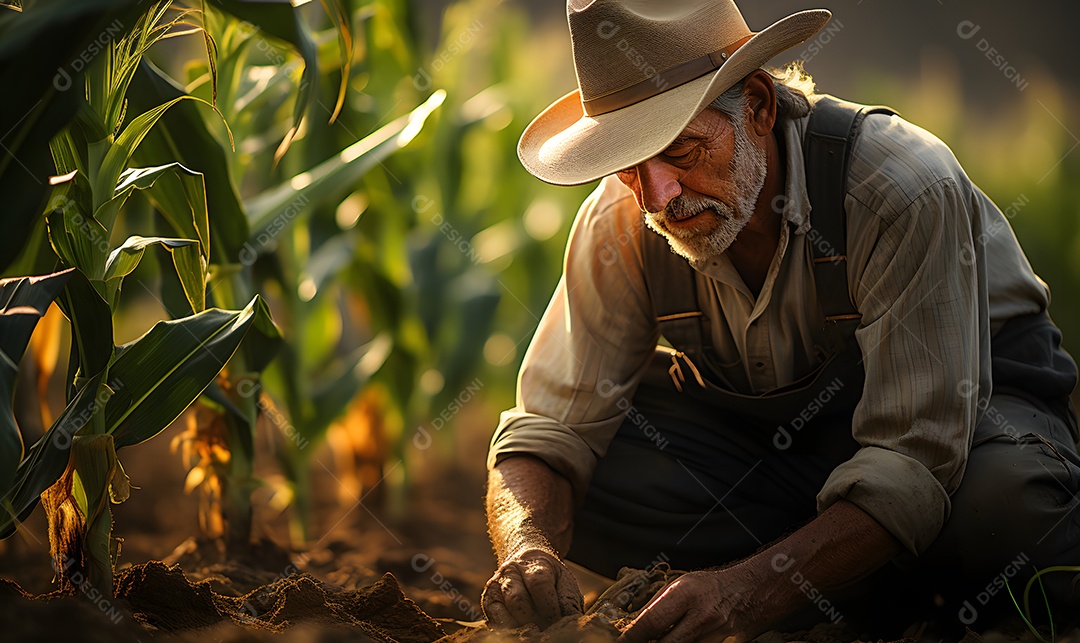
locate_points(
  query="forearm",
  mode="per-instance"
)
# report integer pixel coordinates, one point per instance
(837, 549)
(529, 505)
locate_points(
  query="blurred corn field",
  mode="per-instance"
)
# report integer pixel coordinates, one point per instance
(261, 230)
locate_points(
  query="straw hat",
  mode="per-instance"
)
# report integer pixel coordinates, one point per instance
(645, 69)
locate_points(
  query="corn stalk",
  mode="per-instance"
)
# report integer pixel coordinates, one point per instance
(117, 395)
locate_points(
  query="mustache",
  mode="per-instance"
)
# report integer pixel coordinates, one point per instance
(687, 205)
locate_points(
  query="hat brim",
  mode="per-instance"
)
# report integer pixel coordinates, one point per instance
(565, 146)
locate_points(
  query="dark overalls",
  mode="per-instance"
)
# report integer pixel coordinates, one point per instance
(699, 475)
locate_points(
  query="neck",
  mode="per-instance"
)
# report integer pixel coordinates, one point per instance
(752, 251)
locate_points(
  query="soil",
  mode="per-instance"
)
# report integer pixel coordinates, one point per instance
(402, 561)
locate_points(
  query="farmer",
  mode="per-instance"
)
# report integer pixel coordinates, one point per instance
(862, 374)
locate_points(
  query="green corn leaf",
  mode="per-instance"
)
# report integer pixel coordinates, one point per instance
(182, 136)
(263, 341)
(65, 153)
(46, 460)
(187, 260)
(78, 238)
(273, 210)
(330, 259)
(120, 151)
(330, 400)
(23, 300)
(475, 298)
(91, 331)
(280, 20)
(339, 15)
(94, 460)
(179, 194)
(157, 376)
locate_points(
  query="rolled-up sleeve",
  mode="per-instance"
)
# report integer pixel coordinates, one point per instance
(925, 347)
(590, 349)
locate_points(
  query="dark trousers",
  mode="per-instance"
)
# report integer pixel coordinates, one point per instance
(693, 485)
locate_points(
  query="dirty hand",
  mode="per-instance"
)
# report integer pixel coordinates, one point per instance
(705, 605)
(532, 586)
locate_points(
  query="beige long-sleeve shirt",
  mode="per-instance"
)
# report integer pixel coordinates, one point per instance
(933, 266)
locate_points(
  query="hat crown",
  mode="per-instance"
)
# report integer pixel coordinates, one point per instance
(620, 43)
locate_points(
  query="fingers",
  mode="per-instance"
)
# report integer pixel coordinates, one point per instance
(656, 619)
(494, 609)
(531, 589)
(665, 613)
(570, 599)
(517, 598)
(539, 576)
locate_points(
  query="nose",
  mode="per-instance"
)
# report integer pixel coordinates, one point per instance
(659, 184)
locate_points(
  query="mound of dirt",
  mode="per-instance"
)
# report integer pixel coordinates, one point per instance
(382, 611)
(162, 598)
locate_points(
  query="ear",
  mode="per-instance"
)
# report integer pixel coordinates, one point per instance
(761, 99)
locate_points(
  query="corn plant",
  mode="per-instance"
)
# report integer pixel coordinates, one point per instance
(117, 395)
(219, 449)
(316, 376)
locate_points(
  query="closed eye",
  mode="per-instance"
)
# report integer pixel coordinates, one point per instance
(678, 147)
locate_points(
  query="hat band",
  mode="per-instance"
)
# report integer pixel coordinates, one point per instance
(660, 83)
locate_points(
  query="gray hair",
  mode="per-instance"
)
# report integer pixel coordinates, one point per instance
(793, 84)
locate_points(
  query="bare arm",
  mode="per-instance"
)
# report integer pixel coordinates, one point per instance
(838, 548)
(530, 521)
(529, 505)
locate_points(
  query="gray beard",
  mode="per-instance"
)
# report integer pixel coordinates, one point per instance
(749, 165)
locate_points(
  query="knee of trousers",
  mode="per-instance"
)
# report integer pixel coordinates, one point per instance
(1015, 510)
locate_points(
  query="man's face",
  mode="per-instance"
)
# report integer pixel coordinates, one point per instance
(701, 191)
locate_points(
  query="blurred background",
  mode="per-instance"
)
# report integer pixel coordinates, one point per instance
(407, 286)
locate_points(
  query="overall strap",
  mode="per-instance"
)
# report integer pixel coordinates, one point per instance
(672, 287)
(830, 135)
(673, 290)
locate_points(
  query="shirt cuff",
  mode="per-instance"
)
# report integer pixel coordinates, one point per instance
(894, 489)
(557, 445)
